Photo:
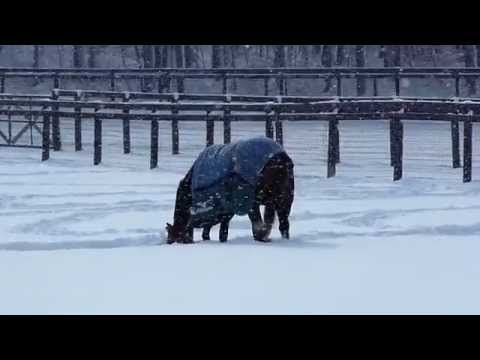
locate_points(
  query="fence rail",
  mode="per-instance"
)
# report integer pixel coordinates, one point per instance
(166, 76)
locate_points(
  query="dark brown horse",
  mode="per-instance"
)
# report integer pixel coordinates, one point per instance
(274, 189)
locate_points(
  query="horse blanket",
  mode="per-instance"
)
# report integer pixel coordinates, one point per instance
(224, 178)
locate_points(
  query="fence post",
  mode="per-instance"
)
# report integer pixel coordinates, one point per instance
(175, 132)
(210, 129)
(278, 123)
(154, 144)
(224, 84)
(397, 84)
(2, 83)
(455, 144)
(281, 88)
(336, 133)
(56, 81)
(46, 137)
(339, 83)
(78, 124)
(331, 159)
(397, 149)
(227, 124)
(112, 81)
(278, 129)
(375, 87)
(57, 143)
(168, 82)
(455, 132)
(97, 142)
(9, 126)
(457, 84)
(392, 140)
(467, 150)
(265, 84)
(180, 84)
(268, 125)
(161, 83)
(126, 125)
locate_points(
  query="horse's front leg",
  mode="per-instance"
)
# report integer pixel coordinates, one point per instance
(206, 233)
(268, 218)
(258, 228)
(188, 235)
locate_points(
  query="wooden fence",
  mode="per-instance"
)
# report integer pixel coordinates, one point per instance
(273, 111)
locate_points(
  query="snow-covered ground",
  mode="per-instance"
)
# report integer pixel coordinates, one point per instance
(78, 239)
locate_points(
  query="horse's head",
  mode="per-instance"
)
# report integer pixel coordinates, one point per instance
(179, 234)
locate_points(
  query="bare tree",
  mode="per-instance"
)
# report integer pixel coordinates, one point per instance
(216, 56)
(477, 48)
(60, 55)
(341, 55)
(190, 56)
(392, 56)
(179, 56)
(469, 54)
(225, 57)
(246, 53)
(327, 60)
(36, 56)
(305, 54)
(279, 61)
(92, 56)
(78, 56)
(147, 55)
(233, 53)
(36, 62)
(138, 54)
(409, 52)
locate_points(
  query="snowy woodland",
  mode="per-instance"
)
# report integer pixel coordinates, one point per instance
(235, 56)
(205, 56)
(82, 239)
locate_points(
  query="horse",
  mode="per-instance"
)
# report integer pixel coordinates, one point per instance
(246, 174)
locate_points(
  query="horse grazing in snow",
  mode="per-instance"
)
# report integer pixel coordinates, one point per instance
(235, 179)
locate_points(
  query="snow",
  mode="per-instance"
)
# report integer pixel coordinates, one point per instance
(82, 239)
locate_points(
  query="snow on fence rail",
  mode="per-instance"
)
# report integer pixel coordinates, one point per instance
(208, 109)
(165, 76)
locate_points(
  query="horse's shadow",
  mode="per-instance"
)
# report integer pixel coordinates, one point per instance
(298, 243)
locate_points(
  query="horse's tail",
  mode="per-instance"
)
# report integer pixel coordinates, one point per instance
(289, 173)
(281, 167)
(287, 166)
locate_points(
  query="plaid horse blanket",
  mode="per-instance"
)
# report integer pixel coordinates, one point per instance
(224, 178)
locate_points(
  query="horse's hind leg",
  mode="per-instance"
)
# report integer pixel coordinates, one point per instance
(283, 208)
(223, 234)
(284, 224)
